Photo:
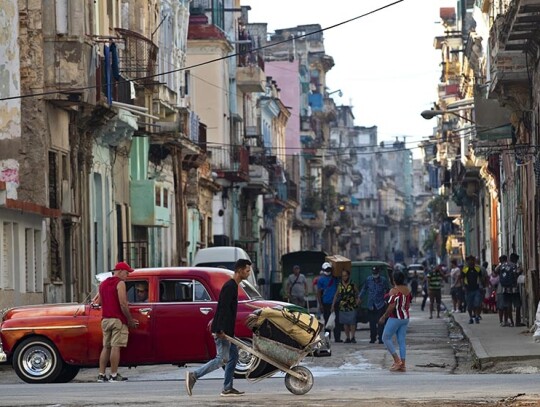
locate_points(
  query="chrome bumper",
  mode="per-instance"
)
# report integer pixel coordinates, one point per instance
(3, 356)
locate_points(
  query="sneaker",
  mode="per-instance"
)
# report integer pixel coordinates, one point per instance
(231, 392)
(102, 378)
(117, 378)
(347, 340)
(477, 320)
(353, 340)
(471, 321)
(190, 382)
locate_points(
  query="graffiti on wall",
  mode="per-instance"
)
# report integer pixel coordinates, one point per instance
(9, 173)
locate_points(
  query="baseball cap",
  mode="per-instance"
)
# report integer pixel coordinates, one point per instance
(123, 266)
(326, 266)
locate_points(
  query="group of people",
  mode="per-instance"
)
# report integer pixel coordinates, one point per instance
(472, 286)
(388, 308)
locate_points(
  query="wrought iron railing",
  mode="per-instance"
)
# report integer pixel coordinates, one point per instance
(138, 59)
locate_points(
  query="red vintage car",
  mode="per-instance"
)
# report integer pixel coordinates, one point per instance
(51, 342)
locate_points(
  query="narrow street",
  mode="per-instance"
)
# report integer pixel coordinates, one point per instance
(439, 362)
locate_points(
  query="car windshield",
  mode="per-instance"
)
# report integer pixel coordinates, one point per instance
(251, 291)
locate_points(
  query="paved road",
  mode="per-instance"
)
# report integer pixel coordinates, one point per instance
(347, 388)
(356, 374)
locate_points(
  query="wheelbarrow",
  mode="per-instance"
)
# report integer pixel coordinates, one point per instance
(298, 379)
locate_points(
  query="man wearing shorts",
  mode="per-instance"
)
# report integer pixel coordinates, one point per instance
(115, 321)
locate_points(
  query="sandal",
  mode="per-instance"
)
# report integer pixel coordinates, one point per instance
(396, 367)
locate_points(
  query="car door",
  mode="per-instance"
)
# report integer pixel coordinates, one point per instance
(181, 321)
(140, 347)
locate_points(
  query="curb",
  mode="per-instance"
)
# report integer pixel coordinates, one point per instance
(481, 358)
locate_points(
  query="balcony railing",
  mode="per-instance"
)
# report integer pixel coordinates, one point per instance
(230, 162)
(138, 60)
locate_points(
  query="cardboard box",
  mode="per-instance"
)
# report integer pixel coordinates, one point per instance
(339, 263)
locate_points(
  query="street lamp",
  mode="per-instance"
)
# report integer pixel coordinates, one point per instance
(430, 114)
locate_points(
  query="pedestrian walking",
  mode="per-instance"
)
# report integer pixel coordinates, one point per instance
(456, 286)
(472, 281)
(346, 302)
(115, 323)
(396, 317)
(434, 279)
(494, 280)
(508, 279)
(424, 287)
(326, 291)
(222, 325)
(297, 287)
(376, 287)
(414, 286)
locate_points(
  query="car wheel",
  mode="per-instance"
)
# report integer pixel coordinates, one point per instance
(36, 360)
(248, 362)
(67, 373)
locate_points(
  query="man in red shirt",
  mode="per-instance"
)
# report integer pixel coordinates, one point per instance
(115, 321)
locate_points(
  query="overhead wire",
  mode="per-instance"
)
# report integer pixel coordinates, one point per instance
(273, 44)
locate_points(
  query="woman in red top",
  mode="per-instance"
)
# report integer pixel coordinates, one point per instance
(399, 300)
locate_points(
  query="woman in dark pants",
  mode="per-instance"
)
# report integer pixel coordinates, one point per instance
(424, 292)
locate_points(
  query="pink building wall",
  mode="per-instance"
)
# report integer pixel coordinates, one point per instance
(287, 77)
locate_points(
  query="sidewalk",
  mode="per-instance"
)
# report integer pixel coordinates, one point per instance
(492, 343)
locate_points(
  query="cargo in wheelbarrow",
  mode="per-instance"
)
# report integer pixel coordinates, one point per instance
(298, 379)
(283, 337)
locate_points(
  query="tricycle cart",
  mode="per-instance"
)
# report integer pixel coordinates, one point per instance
(298, 379)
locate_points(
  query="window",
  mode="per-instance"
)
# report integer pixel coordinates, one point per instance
(158, 195)
(137, 291)
(7, 256)
(182, 291)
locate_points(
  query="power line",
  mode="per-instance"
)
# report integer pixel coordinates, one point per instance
(209, 61)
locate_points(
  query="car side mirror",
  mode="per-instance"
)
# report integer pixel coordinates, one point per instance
(261, 281)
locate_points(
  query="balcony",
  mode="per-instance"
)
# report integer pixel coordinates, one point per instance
(518, 27)
(250, 78)
(259, 180)
(330, 165)
(138, 60)
(274, 204)
(149, 204)
(230, 162)
(511, 37)
(67, 64)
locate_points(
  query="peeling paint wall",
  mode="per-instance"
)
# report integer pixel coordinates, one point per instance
(10, 86)
(34, 146)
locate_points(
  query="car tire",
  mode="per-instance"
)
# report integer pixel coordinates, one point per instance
(67, 373)
(248, 362)
(36, 360)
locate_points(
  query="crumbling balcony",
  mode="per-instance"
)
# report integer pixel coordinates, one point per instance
(512, 37)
